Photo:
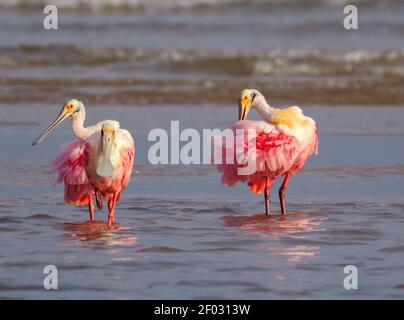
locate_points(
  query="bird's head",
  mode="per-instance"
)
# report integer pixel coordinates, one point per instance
(71, 108)
(246, 102)
(107, 161)
(108, 134)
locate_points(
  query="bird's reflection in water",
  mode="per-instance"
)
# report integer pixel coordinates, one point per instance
(98, 233)
(273, 227)
(296, 253)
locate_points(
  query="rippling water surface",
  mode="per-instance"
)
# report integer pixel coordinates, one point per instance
(179, 233)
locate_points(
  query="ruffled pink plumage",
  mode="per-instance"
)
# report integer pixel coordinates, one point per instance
(115, 184)
(127, 157)
(70, 166)
(276, 152)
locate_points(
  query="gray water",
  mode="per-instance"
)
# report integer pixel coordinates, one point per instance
(179, 232)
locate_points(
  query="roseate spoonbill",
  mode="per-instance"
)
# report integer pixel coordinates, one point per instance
(279, 146)
(99, 164)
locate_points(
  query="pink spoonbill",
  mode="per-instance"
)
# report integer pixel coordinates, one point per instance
(278, 147)
(96, 165)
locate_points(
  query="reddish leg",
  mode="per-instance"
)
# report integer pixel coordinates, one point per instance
(111, 209)
(268, 185)
(91, 207)
(282, 192)
(98, 199)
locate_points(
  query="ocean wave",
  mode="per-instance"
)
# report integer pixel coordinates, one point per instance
(142, 76)
(275, 62)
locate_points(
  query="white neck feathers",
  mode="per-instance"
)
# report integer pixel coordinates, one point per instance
(263, 108)
(79, 130)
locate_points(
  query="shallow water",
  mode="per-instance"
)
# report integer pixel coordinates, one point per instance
(179, 232)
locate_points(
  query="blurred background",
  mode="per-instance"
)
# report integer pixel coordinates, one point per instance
(152, 52)
(180, 233)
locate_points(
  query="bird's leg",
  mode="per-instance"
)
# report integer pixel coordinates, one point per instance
(111, 213)
(282, 191)
(98, 199)
(110, 202)
(91, 207)
(267, 195)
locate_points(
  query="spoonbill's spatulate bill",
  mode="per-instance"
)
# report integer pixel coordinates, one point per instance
(279, 145)
(97, 165)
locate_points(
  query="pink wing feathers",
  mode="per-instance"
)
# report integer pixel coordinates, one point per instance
(127, 153)
(70, 165)
(265, 147)
(315, 145)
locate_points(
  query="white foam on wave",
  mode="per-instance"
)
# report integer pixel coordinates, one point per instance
(97, 5)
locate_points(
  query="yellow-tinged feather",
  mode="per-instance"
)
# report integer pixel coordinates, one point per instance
(246, 92)
(109, 127)
(290, 117)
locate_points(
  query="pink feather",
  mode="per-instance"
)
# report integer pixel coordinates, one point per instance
(276, 153)
(70, 166)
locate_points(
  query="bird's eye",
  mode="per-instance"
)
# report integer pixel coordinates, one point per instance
(245, 97)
